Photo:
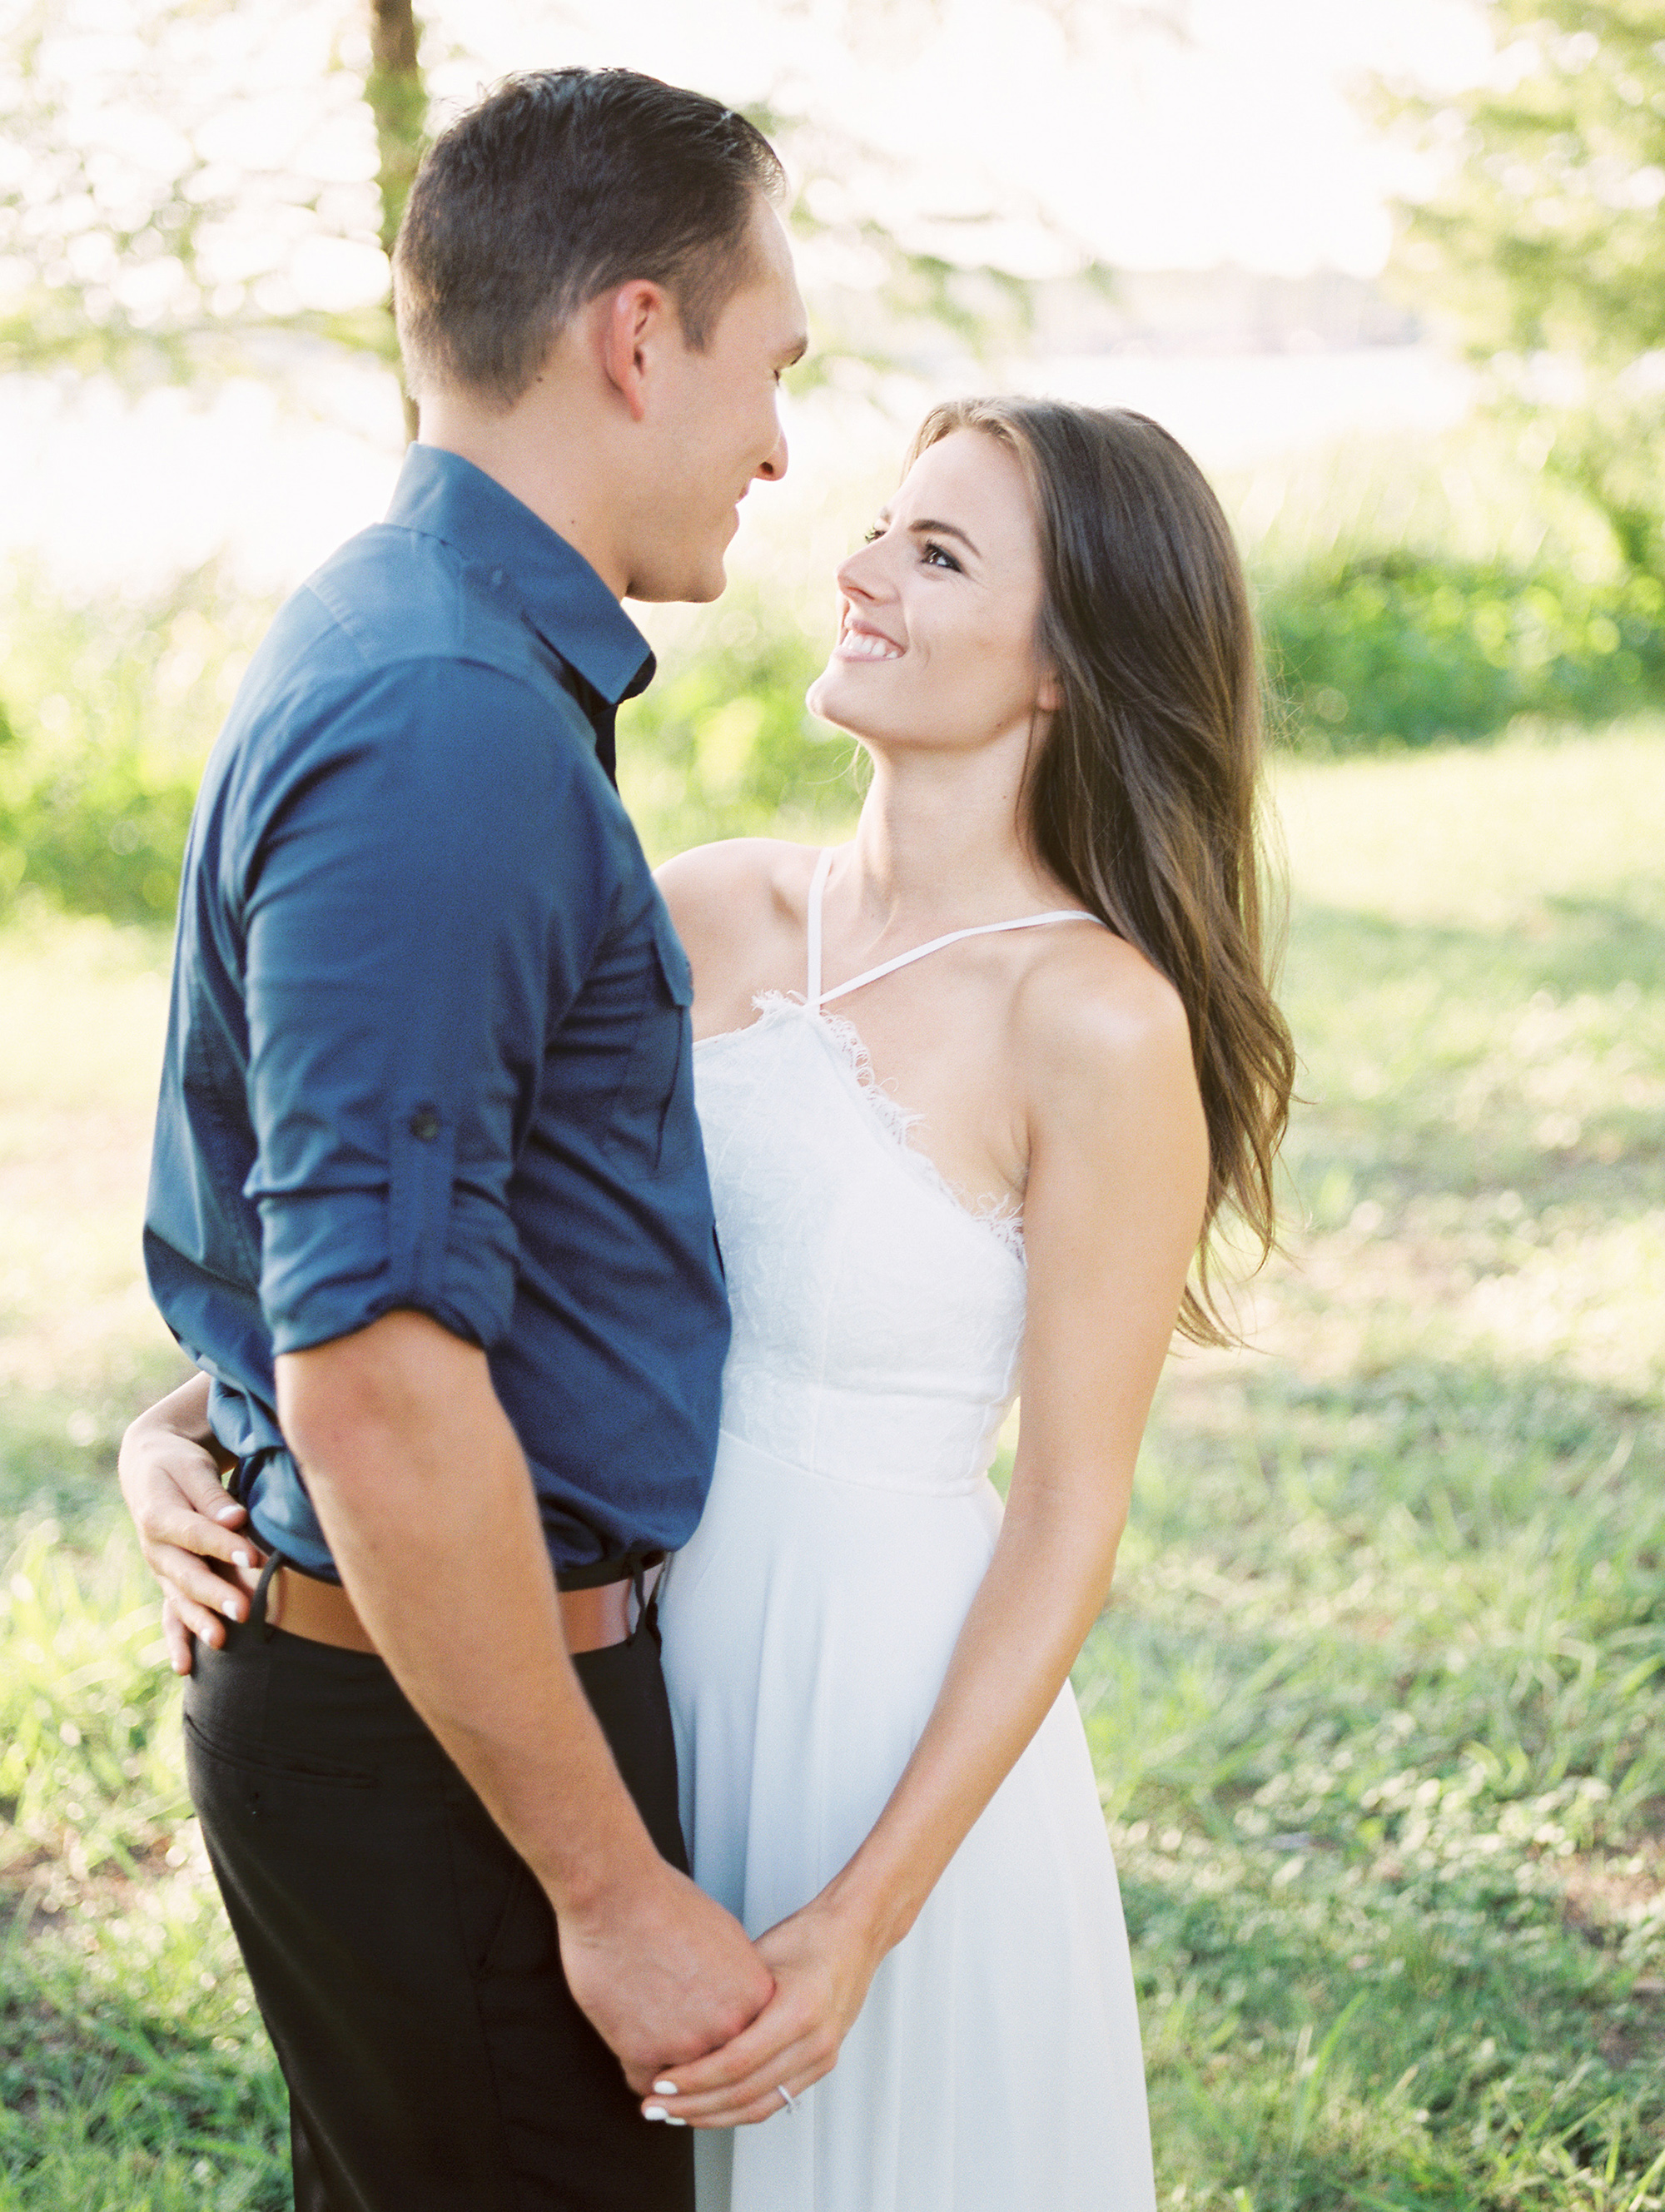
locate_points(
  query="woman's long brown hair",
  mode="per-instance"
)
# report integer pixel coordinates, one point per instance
(1144, 797)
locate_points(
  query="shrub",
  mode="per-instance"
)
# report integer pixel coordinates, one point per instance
(1406, 647)
(106, 712)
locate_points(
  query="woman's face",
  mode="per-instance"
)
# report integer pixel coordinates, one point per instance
(940, 609)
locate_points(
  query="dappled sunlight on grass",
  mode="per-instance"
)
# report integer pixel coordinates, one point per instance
(1483, 837)
(1377, 1709)
(134, 2073)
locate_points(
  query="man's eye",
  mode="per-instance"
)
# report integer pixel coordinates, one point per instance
(938, 556)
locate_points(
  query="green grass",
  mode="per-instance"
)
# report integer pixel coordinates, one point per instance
(131, 2074)
(1377, 1710)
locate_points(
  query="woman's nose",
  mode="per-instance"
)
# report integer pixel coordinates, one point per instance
(860, 575)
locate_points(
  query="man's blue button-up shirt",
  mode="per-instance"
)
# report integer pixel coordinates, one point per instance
(430, 1043)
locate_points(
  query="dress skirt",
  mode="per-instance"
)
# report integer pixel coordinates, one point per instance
(996, 2065)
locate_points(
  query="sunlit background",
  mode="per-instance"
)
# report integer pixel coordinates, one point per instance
(1376, 1711)
(1192, 141)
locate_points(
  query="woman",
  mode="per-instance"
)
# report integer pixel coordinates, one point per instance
(979, 1080)
(973, 1086)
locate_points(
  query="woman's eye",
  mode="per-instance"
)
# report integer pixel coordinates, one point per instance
(938, 556)
(868, 536)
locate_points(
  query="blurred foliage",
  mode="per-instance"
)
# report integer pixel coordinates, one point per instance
(1371, 647)
(107, 711)
(107, 714)
(155, 196)
(181, 196)
(83, 1709)
(722, 745)
(396, 93)
(1547, 244)
(884, 297)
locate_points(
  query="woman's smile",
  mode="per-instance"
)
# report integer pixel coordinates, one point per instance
(857, 642)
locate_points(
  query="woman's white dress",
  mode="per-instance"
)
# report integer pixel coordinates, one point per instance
(808, 1625)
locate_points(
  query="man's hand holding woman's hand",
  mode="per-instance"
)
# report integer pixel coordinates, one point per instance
(170, 1471)
(661, 1969)
(822, 1962)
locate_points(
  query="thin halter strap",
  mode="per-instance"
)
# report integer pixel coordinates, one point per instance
(817, 997)
(818, 884)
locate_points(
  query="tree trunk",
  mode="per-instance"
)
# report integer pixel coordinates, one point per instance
(398, 100)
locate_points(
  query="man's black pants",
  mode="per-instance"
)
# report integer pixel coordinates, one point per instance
(403, 1957)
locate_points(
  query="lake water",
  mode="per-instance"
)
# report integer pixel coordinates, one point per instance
(105, 491)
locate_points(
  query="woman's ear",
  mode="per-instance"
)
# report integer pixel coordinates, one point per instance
(1049, 698)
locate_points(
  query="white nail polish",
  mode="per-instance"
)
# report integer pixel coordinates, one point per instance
(241, 1559)
(655, 2112)
(229, 1609)
(665, 2088)
(672, 2121)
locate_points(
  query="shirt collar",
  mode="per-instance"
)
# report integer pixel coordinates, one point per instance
(443, 495)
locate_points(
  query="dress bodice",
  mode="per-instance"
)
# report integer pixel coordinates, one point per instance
(877, 1318)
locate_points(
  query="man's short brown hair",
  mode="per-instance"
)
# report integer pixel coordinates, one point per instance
(556, 186)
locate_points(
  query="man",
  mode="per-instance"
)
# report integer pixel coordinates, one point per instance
(429, 1204)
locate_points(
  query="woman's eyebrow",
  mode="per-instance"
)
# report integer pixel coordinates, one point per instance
(939, 529)
(944, 530)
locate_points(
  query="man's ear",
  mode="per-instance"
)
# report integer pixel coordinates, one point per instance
(638, 316)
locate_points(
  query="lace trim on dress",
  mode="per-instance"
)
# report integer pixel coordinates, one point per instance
(1002, 1217)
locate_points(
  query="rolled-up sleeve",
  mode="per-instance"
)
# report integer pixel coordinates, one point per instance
(422, 889)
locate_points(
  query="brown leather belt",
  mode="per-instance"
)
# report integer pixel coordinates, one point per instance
(324, 1613)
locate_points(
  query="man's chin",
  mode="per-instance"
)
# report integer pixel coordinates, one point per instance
(696, 587)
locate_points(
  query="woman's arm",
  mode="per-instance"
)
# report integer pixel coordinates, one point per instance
(1112, 1213)
(170, 1467)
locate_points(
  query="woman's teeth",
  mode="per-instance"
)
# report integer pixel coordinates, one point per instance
(863, 645)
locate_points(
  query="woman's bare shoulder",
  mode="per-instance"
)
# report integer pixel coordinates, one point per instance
(744, 865)
(1092, 1011)
(739, 881)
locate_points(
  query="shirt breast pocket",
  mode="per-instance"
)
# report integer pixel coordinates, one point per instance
(653, 1120)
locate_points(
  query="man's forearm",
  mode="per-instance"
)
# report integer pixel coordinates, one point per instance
(428, 1509)
(425, 1498)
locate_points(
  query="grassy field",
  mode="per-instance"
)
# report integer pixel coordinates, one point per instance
(1377, 1710)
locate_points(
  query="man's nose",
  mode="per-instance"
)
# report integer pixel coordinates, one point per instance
(775, 467)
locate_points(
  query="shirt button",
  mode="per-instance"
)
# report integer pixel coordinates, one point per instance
(425, 1124)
